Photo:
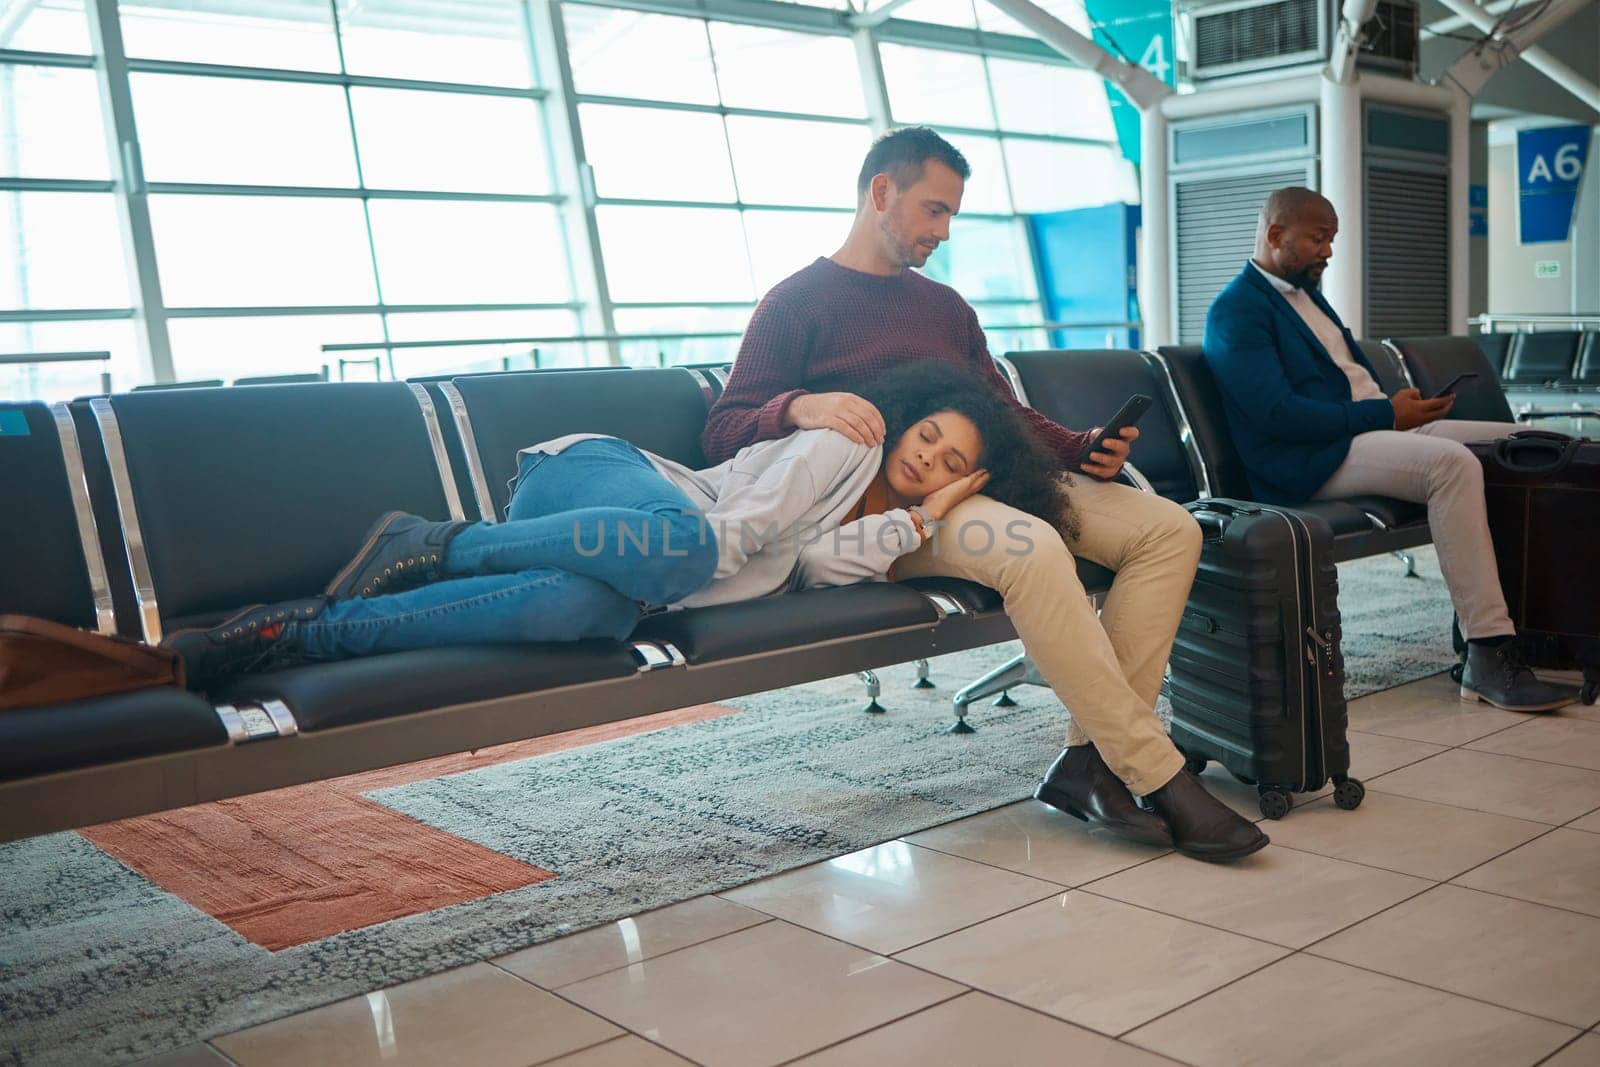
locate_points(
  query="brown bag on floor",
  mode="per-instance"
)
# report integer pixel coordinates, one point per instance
(43, 662)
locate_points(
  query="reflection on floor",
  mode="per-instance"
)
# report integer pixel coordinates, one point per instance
(1453, 919)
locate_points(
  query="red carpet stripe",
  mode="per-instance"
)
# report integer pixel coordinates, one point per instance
(296, 865)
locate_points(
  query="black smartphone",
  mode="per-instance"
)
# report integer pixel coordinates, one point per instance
(1464, 376)
(1128, 414)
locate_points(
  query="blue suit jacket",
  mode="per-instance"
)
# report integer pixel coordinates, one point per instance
(1288, 404)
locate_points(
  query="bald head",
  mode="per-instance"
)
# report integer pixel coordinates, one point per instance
(1294, 238)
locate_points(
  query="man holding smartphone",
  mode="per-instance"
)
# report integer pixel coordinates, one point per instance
(821, 334)
(1311, 422)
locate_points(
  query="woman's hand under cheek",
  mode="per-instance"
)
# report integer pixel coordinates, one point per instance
(941, 502)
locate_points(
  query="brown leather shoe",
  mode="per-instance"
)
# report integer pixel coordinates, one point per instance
(1203, 826)
(1080, 784)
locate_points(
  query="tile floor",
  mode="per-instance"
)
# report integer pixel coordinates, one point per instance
(1453, 919)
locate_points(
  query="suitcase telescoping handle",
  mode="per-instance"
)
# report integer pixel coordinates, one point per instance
(1214, 514)
(1535, 452)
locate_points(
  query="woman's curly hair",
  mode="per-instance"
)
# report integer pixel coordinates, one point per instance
(1022, 472)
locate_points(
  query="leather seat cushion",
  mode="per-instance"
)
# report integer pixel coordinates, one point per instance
(108, 729)
(1390, 512)
(323, 695)
(771, 623)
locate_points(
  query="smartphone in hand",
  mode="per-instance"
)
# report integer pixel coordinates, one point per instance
(1129, 413)
(1450, 388)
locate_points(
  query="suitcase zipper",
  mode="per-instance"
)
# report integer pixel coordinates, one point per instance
(1296, 529)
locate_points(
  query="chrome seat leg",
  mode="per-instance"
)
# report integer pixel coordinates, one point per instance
(1409, 560)
(874, 688)
(922, 682)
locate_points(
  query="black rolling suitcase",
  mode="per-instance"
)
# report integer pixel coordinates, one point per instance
(1543, 496)
(1257, 680)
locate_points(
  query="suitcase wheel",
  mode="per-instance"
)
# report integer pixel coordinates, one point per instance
(1275, 803)
(1456, 670)
(1195, 763)
(1349, 793)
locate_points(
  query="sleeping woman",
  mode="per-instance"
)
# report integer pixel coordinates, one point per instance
(599, 534)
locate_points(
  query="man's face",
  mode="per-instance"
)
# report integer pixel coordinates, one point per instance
(1301, 249)
(914, 220)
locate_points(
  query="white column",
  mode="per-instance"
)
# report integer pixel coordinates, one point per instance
(1340, 126)
(1460, 221)
(132, 195)
(1155, 244)
(547, 37)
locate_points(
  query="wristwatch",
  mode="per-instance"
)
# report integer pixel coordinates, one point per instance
(921, 520)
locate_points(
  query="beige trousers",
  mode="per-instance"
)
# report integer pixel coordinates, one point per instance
(1431, 465)
(1107, 671)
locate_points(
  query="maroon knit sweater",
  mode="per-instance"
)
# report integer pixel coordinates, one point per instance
(830, 329)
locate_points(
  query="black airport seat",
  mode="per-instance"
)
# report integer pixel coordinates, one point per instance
(1494, 346)
(305, 378)
(106, 729)
(156, 387)
(1083, 389)
(43, 570)
(259, 495)
(663, 410)
(454, 449)
(1587, 371)
(48, 557)
(1362, 526)
(325, 695)
(806, 617)
(1435, 361)
(247, 496)
(1391, 372)
(660, 410)
(1543, 358)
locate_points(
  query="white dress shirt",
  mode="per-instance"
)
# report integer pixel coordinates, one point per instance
(1362, 385)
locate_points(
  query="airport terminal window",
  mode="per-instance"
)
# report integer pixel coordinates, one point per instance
(790, 161)
(327, 171)
(270, 210)
(58, 223)
(746, 132)
(778, 70)
(480, 42)
(254, 132)
(44, 26)
(688, 150)
(50, 123)
(680, 254)
(469, 252)
(633, 54)
(1048, 119)
(282, 35)
(415, 139)
(268, 251)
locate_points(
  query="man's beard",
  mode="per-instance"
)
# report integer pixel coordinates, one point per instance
(1301, 279)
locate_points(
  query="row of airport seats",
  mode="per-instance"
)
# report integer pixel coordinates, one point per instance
(1563, 359)
(157, 510)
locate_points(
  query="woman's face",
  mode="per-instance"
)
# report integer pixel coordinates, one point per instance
(934, 452)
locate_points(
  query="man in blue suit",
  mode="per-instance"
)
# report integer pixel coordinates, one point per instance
(1311, 422)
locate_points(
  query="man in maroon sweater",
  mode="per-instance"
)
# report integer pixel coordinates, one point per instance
(834, 326)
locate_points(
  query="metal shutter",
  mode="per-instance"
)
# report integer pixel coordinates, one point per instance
(1408, 252)
(1215, 222)
(1248, 34)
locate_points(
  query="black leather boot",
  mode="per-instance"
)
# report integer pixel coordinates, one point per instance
(253, 640)
(1203, 826)
(1080, 784)
(400, 552)
(1499, 675)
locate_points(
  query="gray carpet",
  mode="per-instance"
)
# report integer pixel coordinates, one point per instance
(99, 965)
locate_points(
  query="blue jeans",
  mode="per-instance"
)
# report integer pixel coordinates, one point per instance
(593, 536)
